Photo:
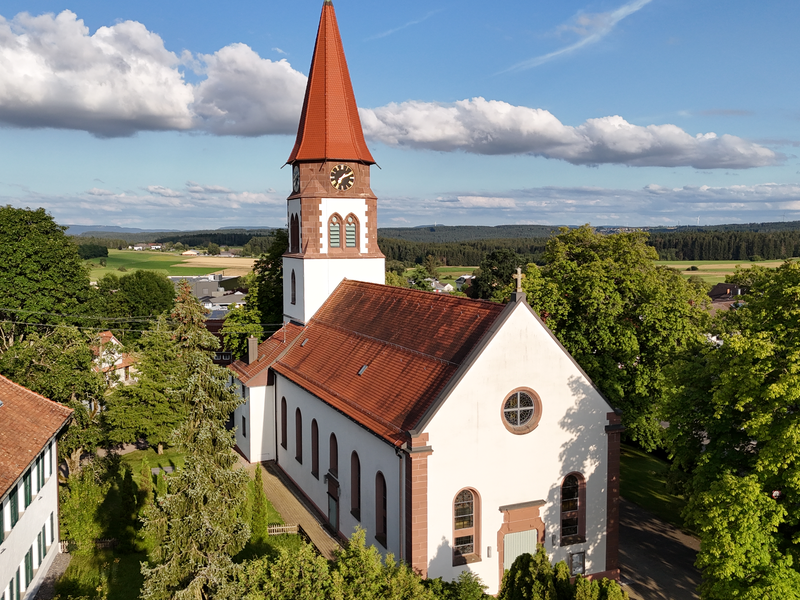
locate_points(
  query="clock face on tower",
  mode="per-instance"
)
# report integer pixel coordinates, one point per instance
(342, 177)
(296, 179)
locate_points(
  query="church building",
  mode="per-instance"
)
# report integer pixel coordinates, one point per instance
(458, 433)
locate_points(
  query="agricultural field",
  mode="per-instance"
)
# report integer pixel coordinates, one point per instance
(450, 274)
(714, 271)
(167, 262)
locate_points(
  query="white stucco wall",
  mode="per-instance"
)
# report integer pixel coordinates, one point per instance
(472, 448)
(374, 454)
(317, 278)
(259, 410)
(23, 536)
(344, 207)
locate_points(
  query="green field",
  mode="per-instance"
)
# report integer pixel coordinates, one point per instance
(714, 271)
(450, 274)
(132, 260)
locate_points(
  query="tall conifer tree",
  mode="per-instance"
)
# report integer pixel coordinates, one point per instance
(197, 527)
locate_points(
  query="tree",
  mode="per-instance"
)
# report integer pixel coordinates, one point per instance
(198, 526)
(269, 279)
(81, 508)
(416, 279)
(213, 249)
(396, 280)
(42, 275)
(147, 293)
(242, 322)
(58, 364)
(154, 405)
(259, 526)
(494, 273)
(622, 317)
(734, 420)
(432, 264)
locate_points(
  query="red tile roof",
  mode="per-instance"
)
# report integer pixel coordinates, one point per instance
(268, 351)
(411, 342)
(27, 422)
(330, 128)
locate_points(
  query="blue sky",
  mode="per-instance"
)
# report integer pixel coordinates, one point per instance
(180, 114)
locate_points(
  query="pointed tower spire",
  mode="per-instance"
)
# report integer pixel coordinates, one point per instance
(330, 128)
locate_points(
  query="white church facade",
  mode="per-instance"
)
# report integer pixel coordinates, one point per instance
(458, 433)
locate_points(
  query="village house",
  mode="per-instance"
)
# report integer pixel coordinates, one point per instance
(29, 428)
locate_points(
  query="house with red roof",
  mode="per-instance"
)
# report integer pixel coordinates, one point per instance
(458, 433)
(29, 427)
(116, 365)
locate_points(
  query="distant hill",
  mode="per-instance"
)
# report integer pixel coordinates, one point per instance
(94, 230)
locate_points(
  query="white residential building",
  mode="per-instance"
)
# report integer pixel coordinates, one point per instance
(29, 426)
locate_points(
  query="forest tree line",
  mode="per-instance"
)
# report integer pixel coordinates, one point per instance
(689, 245)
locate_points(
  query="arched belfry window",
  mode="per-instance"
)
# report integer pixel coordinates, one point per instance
(294, 234)
(466, 529)
(573, 509)
(294, 288)
(351, 232)
(335, 231)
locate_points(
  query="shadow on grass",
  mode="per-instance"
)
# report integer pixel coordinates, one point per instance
(106, 574)
(269, 548)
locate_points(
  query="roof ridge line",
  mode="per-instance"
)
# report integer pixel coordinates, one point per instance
(374, 339)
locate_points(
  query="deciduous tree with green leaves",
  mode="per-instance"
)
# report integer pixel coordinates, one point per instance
(734, 416)
(42, 274)
(269, 279)
(621, 316)
(58, 364)
(494, 273)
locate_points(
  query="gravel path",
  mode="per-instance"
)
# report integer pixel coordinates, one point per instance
(48, 588)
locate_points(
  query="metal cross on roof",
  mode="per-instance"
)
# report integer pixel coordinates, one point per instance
(519, 277)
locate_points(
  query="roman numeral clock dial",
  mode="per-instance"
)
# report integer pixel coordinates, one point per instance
(342, 177)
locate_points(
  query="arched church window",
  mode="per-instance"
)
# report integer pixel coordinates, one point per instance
(351, 232)
(298, 436)
(314, 448)
(294, 288)
(335, 232)
(294, 234)
(334, 456)
(466, 529)
(521, 411)
(284, 442)
(380, 509)
(573, 509)
(355, 486)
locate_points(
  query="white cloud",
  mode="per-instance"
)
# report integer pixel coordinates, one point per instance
(245, 94)
(486, 202)
(115, 82)
(99, 192)
(196, 188)
(160, 190)
(592, 28)
(494, 127)
(121, 80)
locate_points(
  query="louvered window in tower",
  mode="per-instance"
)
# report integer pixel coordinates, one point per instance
(335, 229)
(350, 232)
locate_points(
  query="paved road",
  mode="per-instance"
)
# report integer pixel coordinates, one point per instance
(657, 558)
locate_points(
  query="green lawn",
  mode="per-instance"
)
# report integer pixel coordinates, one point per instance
(643, 481)
(134, 260)
(107, 572)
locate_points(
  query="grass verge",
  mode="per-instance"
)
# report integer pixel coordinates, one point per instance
(643, 481)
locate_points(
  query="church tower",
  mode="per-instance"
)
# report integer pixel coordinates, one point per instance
(332, 212)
